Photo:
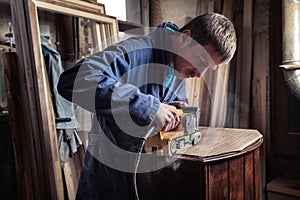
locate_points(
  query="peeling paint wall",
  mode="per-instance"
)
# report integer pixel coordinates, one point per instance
(178, 11)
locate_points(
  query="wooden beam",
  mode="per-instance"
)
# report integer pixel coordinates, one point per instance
(16, 113)
(208, 91)
(211, 6)
(246, 65)
(259, 100)
(219, 98)
(259, 83)
(228, 9)
(78, 5)
(74, 12)
(238, 86)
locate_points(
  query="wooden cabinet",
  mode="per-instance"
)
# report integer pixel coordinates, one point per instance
(231, 175)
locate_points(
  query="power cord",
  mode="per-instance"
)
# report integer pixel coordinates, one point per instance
(138, 159)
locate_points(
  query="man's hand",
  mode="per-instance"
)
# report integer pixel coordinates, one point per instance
(166, 117)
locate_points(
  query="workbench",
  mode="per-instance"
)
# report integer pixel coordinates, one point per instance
(224, 165)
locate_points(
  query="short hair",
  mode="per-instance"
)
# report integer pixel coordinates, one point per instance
(214, 29)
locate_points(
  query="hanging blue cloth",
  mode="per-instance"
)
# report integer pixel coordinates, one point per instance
(66, 123)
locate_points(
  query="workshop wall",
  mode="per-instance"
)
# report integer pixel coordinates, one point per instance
(178, 11)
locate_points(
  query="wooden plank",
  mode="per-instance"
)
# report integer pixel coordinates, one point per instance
(228, 8)
(114, 30)
(210, 84)
(205, 107)
(25, 163)
(36, 179)
(201, 83)
(70, 180)
(202, 7)
(144, 13)
(189, 89)
(259, 117)
(238, 79)
(95, 37)
(90, 7)
(259, 84)
(13, 93)
(108, 34)
(249, 177)
(236, 178)
(219, 95)
(211, 5)
(246, 64)
(209, 90)
(71, 11)
(65, 37)
(219, 104)
(98, 35)
(197, 90)
(198, 7)
(227, 12)
(218, 181)
(103, 35)
(45, 115)
(71, 171)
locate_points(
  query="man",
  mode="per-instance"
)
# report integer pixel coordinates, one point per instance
(132, 86)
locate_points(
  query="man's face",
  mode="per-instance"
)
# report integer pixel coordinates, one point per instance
(192, 59)
(192, 63)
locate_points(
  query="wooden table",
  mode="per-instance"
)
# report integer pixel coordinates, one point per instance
(229, 170)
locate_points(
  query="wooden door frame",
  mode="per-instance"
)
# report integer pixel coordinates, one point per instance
(36, 148)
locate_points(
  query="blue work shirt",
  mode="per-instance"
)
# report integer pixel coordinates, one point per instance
(127, 77)
(123, 85)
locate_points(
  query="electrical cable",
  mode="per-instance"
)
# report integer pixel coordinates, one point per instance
(138, 159)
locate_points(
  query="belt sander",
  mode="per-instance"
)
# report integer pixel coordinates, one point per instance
(179, 139)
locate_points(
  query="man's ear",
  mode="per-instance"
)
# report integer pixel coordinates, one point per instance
(186, 37)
